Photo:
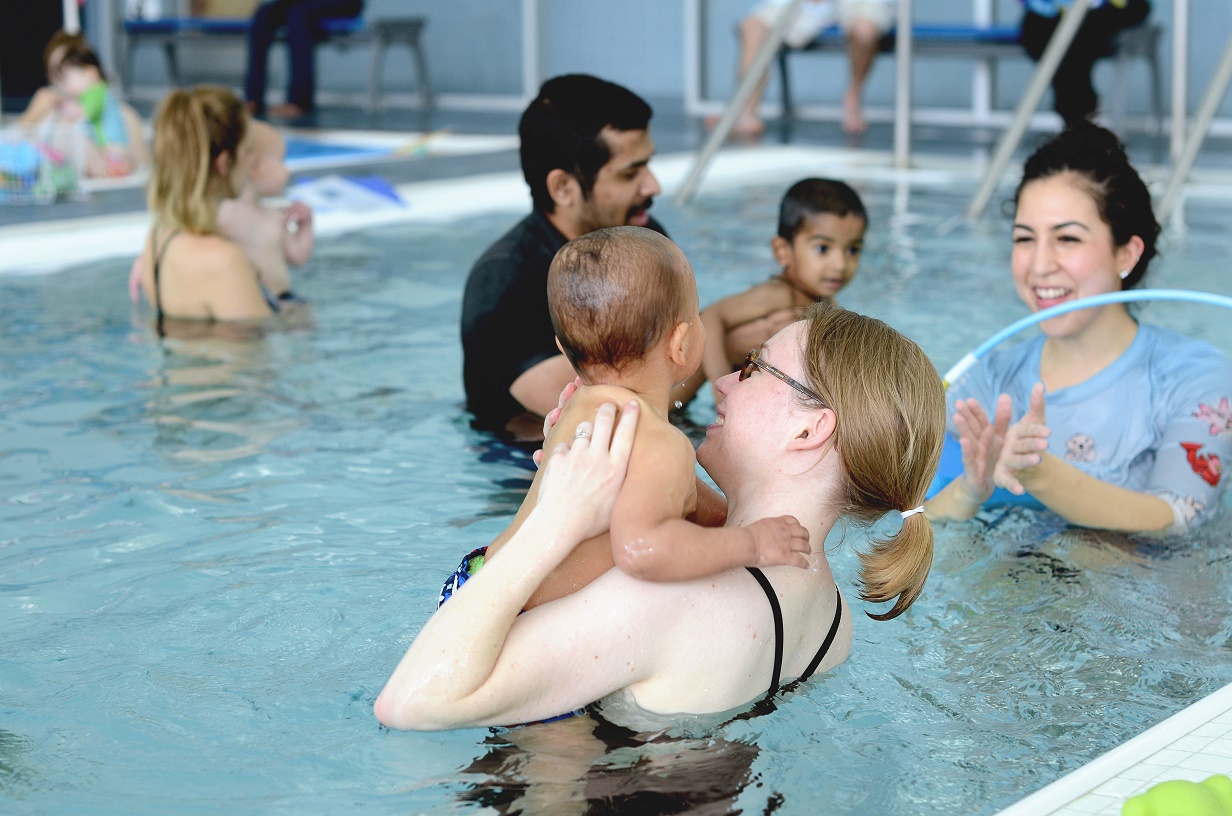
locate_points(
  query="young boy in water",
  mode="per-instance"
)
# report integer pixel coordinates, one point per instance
(270, 238)
(818, 245)
(624, 307)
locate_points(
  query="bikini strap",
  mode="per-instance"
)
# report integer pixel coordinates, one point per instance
(825, 644)
(158, 259)
(778, 625)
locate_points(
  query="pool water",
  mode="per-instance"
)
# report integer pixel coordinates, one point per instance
(213, 553)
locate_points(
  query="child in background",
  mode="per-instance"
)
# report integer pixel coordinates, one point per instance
(270, 238)
(79, 92)
(820, 237)
(624, 306)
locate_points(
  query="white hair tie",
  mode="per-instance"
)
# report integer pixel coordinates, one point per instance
(908, 513)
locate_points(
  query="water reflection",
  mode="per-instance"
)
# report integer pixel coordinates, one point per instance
(589, 766)
(212, 399)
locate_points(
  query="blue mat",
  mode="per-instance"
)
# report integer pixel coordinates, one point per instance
(301, 150)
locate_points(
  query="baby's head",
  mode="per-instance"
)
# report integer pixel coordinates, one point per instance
(821, 235)
(269, 173)
(72, 66)
(620, 295)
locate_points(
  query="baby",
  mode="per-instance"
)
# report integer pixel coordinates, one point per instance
(821, 234)
(624, 307)
(270, 238)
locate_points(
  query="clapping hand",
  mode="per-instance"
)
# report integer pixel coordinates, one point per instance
(981, 443)
(1025, 443)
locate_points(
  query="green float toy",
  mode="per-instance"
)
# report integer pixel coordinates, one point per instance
(1177, 797)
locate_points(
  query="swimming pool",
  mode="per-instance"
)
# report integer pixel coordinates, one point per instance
(213, 554)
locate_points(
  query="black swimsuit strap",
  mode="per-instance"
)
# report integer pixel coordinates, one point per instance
(825, 644)
(158, 259)
(777, 610)
(778, 625)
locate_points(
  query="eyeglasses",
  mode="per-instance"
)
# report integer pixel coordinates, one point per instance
(751, 363)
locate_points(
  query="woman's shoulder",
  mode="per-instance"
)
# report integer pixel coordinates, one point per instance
(207, 252)
(1163, 339)
(1173, 351)
(1183, 368)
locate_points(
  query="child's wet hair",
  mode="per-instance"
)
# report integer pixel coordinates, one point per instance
(816, 196)
(615, 293)
(1097, 158)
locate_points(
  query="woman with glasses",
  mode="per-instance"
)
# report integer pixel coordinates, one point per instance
(837, 417)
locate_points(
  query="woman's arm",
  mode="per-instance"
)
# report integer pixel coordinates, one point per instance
(475, 661)
(1078, 497)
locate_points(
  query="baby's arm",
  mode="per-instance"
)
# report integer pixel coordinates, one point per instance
(720, 318)
(297, 234)
(651, 541)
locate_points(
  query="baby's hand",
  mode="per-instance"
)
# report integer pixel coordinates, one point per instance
(780, 541)
(297, 216)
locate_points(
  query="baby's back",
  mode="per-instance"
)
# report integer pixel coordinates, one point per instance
(593, 557)
(258, 231)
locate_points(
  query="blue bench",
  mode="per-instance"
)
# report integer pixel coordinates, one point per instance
(171, 32)
(992, 43)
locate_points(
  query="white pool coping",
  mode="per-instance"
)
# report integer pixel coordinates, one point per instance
(1192, 745)
(53, 245)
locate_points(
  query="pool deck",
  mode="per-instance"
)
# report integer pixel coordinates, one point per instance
(444, 184)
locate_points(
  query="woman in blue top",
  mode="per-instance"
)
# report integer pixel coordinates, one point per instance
(1109, 423)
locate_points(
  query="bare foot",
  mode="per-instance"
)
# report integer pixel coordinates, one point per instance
(748, 126)
(287, 110)
(853, 116)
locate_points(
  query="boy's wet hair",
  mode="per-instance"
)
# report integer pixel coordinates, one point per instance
(817, 196)
(561, 129)
(614, 294)
(1096, 156)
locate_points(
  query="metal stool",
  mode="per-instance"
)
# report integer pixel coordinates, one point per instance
(398, 31)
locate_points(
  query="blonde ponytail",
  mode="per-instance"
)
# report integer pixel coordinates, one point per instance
(889, 404)
(192, 129)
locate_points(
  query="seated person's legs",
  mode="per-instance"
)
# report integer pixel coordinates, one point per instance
(865, 22)
(266, 20)
(754, 30)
